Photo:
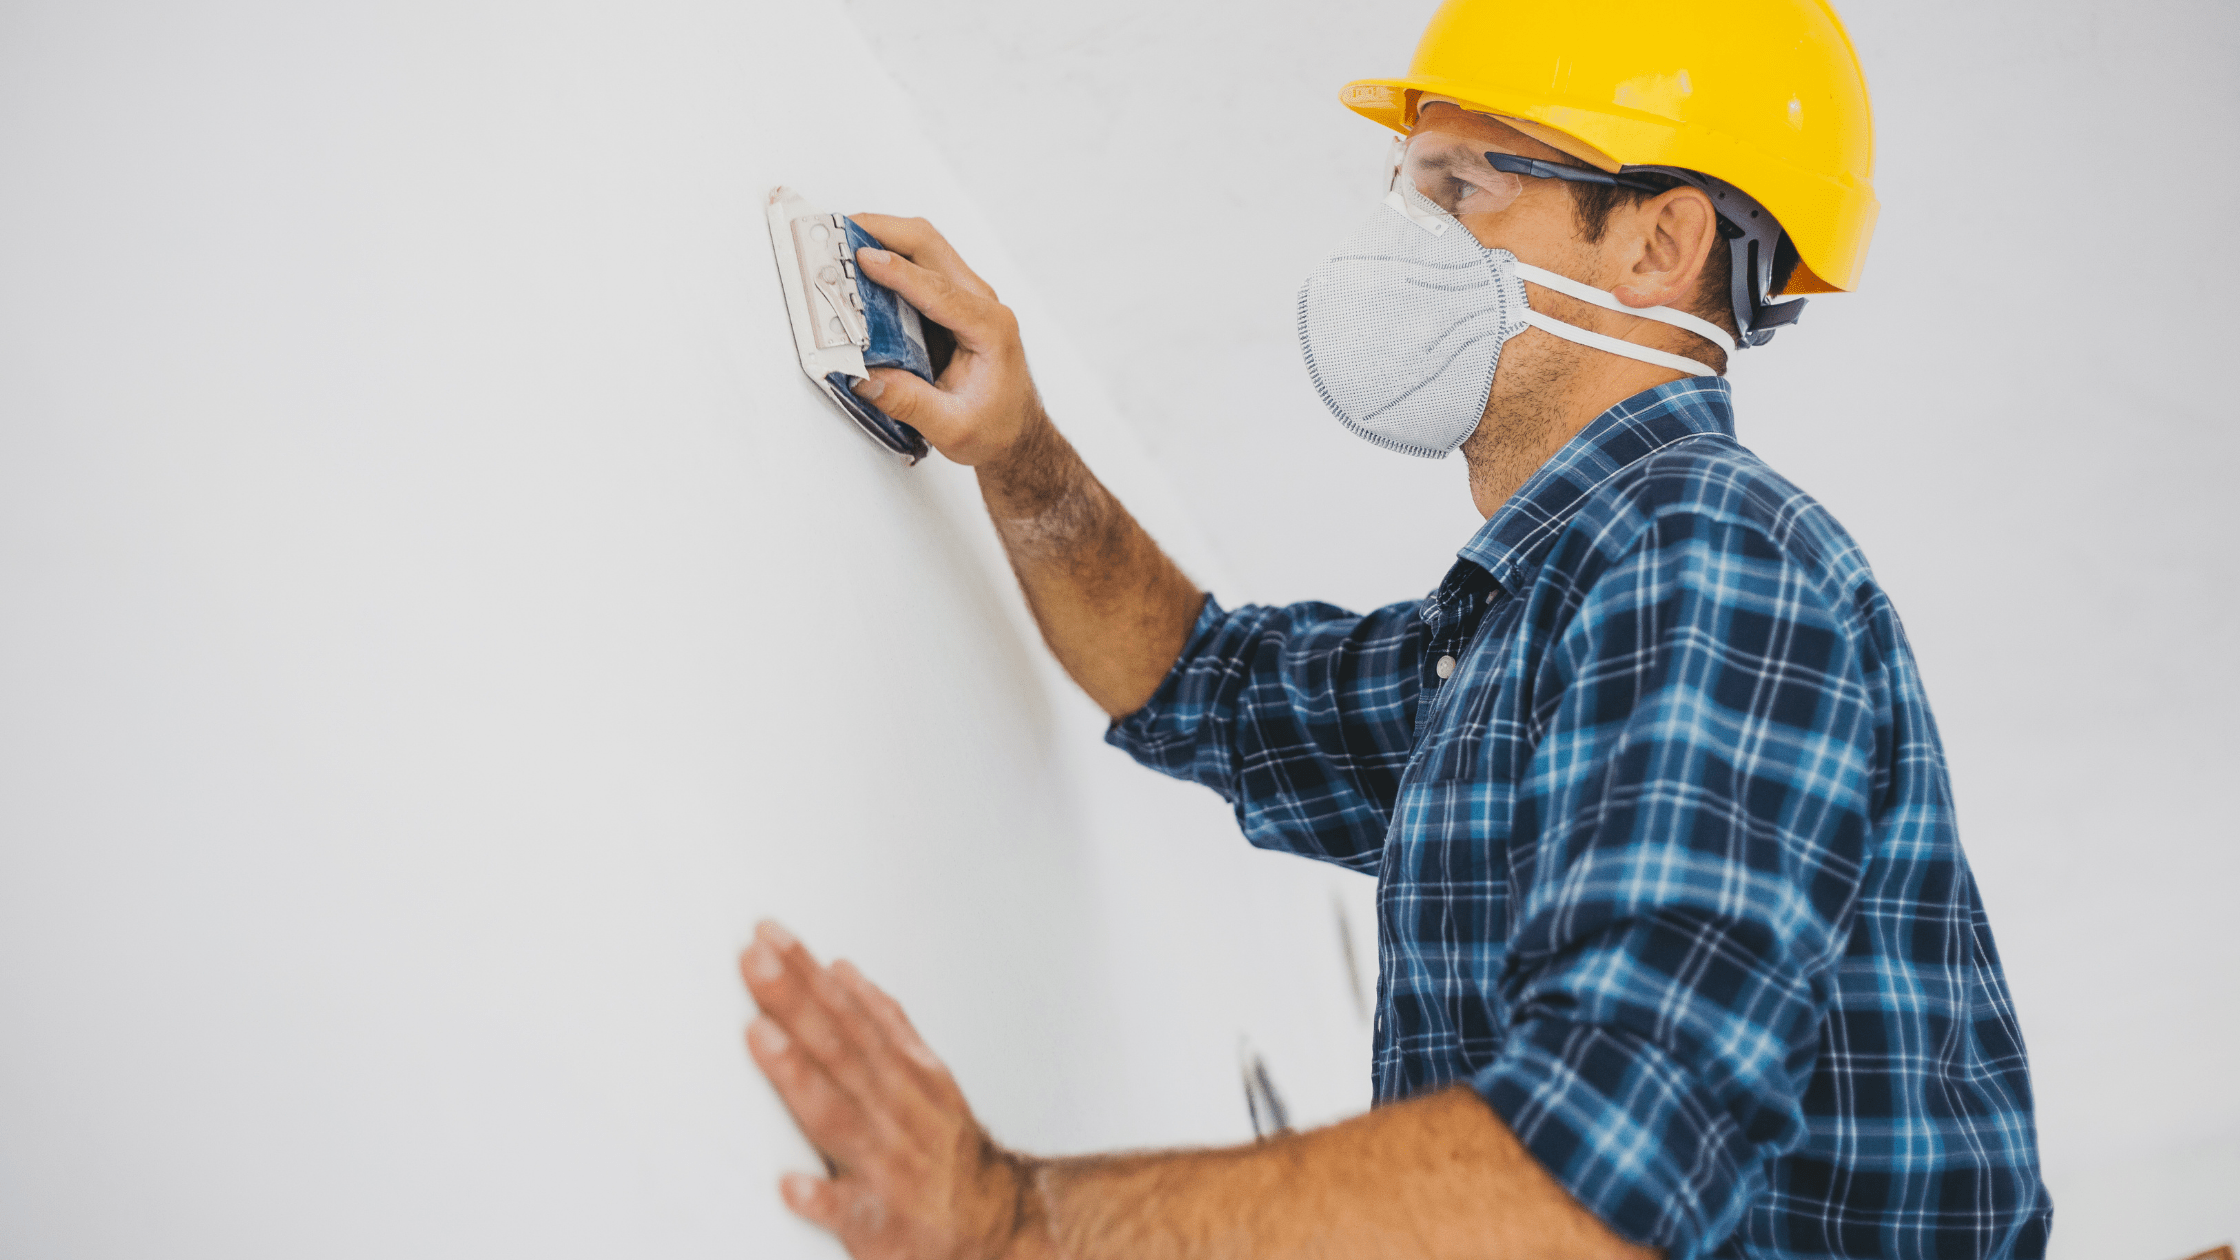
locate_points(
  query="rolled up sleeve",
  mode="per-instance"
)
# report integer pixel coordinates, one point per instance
(1299, 716)
(1694, 834)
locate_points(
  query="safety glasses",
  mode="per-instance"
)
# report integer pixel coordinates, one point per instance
(1459, 170)
(1462, 175)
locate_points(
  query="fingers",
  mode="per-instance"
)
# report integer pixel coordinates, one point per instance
(911, 1162)
(825, 1114)
(979, 321)
(901, 1033)
(918, 241)
(862, 1074)
(937, 1091)
(814, 1011)
(985, 399)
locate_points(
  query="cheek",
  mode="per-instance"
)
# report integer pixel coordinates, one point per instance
(1538, 225)
(1488, 229)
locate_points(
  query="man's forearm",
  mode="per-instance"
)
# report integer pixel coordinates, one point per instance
(1113, 608)
(1438, 1177)
(910, 1172)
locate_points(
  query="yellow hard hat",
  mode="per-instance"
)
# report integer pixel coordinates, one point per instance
(1765, 95)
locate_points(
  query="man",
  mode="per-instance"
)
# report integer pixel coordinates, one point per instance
(1679, 950)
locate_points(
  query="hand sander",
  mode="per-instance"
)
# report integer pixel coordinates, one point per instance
(844, 323)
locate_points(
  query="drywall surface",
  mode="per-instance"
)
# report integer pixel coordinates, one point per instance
(439, 621)
(2023, 416)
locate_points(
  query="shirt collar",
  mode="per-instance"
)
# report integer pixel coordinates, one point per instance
(1512, 541)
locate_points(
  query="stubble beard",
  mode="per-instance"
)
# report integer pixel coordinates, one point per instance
(1524, 421)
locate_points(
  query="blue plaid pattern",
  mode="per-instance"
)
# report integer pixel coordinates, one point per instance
(1667, 861)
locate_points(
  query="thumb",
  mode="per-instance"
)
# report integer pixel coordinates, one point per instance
(812, 1198)
(903, 397)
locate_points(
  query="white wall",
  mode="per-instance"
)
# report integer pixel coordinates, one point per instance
(439, 620)
(2023, 416)
(405, 490)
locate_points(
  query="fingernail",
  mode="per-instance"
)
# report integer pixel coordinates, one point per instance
(768, 1037)
(869, 254)
(869, 388)
(775, 932)
(765, 961)
(797, 1187)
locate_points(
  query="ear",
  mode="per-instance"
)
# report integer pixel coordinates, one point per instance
(1670, 237)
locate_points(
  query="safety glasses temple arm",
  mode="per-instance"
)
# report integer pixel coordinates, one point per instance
(1538, 169)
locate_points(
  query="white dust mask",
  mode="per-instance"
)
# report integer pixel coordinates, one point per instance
(1403, 326)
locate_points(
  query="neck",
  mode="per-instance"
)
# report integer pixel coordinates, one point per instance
(1528, 420)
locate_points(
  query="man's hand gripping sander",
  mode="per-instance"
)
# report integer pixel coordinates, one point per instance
(844, 324)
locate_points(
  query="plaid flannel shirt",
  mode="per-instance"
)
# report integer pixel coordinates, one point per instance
(1666, 854)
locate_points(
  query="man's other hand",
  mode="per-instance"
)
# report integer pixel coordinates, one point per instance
(912, 1174)
(985, 400)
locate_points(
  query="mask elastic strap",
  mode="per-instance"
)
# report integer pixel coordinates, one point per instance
(1586, 337)
(1569, 287)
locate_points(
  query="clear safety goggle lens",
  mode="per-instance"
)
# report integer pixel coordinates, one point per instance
(1451, 171)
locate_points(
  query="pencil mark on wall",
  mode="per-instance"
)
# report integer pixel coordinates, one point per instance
(1354, 984)
(1269, 1115)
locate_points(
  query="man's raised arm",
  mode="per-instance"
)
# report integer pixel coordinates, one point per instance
(1113, 608)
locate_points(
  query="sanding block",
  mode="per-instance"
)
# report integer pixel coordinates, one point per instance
(844, 323)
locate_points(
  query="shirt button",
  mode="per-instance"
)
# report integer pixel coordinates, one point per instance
(1445, 667)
